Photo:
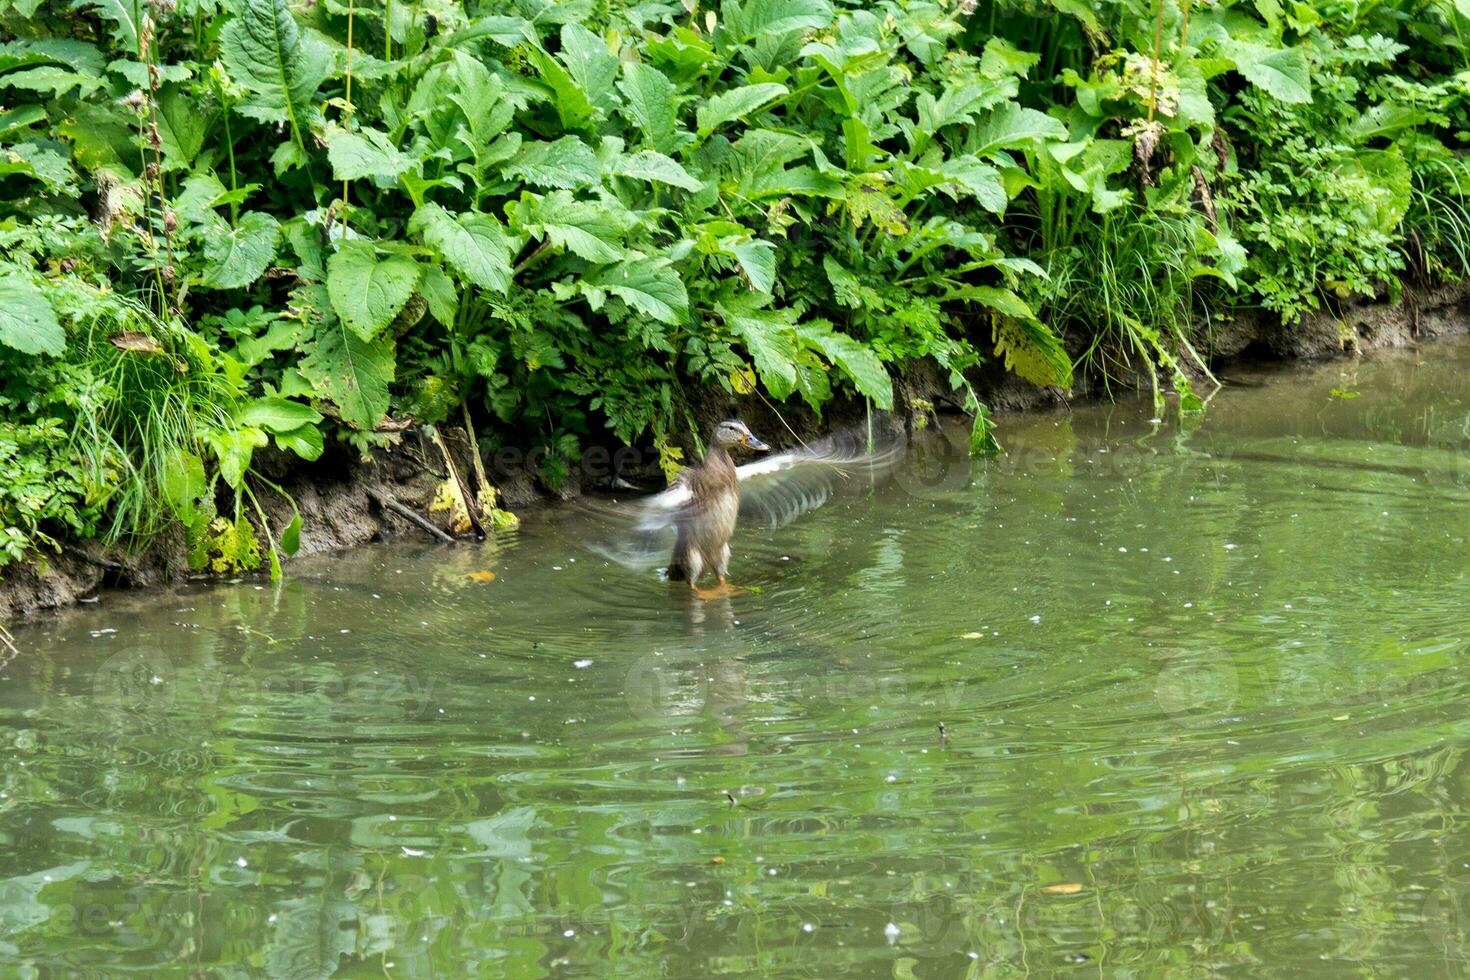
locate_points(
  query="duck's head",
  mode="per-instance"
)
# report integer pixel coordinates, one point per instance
(732, 433)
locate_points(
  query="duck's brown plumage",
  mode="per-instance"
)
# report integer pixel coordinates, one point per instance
(707, 522)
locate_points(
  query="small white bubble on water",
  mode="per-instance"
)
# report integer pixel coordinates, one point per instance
(240, 861)
(808, 927)
(890, 779)
(579, 664)
(570, 933)
(891, 931)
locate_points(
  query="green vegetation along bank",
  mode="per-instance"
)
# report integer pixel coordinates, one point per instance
(233, 231)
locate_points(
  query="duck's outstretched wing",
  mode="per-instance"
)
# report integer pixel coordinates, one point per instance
(776, 489)
(640, 532)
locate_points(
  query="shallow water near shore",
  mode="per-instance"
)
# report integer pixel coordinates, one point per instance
(1203, 691)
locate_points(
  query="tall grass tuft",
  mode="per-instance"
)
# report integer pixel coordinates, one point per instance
(152, 389)
(1127, 285)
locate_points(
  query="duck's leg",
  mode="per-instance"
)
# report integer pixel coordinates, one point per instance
(721, 590)
(722, 584)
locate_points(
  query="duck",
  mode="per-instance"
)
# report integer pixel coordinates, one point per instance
(702, 508)
(708, 510)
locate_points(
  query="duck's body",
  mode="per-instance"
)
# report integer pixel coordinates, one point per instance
(711, 506)
(707, 524)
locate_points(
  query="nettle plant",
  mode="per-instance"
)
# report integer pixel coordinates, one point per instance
(549, 222)
(569, 223)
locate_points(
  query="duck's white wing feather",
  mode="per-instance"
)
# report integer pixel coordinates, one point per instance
(640, 532)
(775, 490)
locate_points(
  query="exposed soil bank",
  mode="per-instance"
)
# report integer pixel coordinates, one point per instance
(345, 502)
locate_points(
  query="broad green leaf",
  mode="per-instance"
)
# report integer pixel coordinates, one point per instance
(21, 116)
(583, 228)
(590, 64)
(1002, 301)
(1002, 59)
(182, 483)
(234, 448)
(650, 104)
(573, 107)
(771, 342)
(365, 153)
(181, 127)
(856, 359)
(650, 288)
(101, 135)
(568, 163)
(276, 414)
(125, 16)
(351, 373)
(236, 257)
(267, 53)
(757, 169)
(482, 99)
(735, 104)
(41, 162)
(1282, 72)
(366, 292)
(1381, 185)
(291, 536)
(757, 260)
(50, 79)
(306, 442)
(978, 179)
(653, 166)
(474, 244)
(440, 293)
(742, 22)
(27, 322)
(1386, 119)
(1013, 126)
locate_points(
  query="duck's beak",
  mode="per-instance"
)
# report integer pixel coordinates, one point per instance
(751, 442)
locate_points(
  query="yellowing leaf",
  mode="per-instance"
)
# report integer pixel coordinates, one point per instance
(136, 342)
(1065, 888)
(482, 576)
(449, 497)
(742, 381)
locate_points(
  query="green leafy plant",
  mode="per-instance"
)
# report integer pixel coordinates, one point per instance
(257, 225)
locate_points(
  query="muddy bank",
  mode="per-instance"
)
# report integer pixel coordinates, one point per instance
(345, 502)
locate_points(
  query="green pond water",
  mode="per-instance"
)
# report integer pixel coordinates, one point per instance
(1204, 690)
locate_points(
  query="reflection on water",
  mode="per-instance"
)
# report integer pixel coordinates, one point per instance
(1202, 693)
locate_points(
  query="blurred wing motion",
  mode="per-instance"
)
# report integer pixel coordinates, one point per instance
(777, 489)
(774, 491)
